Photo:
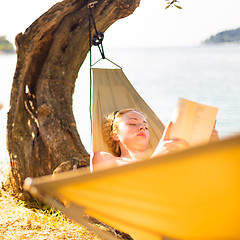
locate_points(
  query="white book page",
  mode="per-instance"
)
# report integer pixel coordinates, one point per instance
(193, 121)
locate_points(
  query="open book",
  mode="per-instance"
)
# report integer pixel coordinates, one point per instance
(193, 121)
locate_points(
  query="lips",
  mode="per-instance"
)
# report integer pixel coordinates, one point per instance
(141, 134)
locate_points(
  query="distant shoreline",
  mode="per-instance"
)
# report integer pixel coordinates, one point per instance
(7, 52)
(224, 37)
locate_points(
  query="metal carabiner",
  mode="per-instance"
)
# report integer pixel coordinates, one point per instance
(97, 39)
(92, 4)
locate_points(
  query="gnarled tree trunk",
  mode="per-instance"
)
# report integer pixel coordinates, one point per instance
(41, 127)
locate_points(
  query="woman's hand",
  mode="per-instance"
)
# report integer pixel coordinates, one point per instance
(214, 136)
(167, 145)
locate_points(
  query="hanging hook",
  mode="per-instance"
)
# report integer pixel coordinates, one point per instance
(92, 4)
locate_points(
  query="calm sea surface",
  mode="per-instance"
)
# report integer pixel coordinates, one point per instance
(207, 74)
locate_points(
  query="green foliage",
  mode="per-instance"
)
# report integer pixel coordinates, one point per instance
(172, 3)
(5, 45)
(229, 36)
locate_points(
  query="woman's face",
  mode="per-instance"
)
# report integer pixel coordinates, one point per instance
(133, 131)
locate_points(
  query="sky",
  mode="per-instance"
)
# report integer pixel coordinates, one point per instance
(151, 25)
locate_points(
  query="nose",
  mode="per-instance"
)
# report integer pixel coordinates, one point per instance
(142, 127)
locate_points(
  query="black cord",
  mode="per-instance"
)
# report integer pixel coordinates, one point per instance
(98, 36)
(96, 41)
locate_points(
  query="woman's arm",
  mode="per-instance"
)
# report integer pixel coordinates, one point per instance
(167, 145)
(102, 160)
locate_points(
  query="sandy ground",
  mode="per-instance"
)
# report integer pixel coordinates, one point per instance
(19, 222)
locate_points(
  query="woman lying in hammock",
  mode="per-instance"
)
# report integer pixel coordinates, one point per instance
(126, 134)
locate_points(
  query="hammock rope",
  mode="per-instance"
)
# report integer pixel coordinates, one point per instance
(96, 40)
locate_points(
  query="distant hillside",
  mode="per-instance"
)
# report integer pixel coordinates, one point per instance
(5, 45)
(229, 36)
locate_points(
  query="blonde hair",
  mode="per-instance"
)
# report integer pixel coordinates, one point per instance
(110, 127)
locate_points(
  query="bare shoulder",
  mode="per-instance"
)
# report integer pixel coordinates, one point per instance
(102, 160)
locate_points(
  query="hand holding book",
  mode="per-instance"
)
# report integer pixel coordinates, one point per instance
(194, 122)
(167, 145)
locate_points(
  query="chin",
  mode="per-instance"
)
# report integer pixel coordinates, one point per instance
(142, 148)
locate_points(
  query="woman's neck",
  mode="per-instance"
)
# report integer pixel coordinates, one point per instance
(134, 155)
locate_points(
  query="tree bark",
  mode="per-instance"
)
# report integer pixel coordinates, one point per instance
(41, 127)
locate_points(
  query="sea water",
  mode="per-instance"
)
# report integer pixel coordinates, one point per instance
(207, 74)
